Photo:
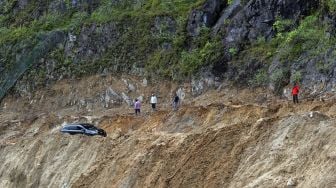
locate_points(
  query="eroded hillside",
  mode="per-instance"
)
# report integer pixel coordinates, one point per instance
(222, 138)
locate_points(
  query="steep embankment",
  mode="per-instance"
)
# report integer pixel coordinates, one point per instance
(205, 144)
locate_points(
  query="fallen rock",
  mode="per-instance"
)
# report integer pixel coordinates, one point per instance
(291, 182)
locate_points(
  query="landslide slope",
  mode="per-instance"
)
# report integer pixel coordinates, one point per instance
(226, 144)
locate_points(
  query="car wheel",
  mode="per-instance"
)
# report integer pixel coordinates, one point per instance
(103, 134)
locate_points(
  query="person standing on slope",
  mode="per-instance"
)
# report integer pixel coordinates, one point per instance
(176, 102)
(295, 92)
(153, 101)
(137, 106)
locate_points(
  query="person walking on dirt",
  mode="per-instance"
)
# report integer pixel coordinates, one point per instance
(137, 106)
(176, 102)
(295, 92)
(153, 101)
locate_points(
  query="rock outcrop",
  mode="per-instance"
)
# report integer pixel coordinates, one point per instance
(255, 18)
(139, 43)
(206, 16)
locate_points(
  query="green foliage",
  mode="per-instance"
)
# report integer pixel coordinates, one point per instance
(203, 37)
(48, 22)
(310, 34)
(260, 79)
(190, 62)
(330, 5)
(230, 2)
(279, 78)
(7, 6)
(309, 38)
(178, 63)
(233, 51)
(282, 25)
(195, 59)
(162, 62)
(127, 9)
(15, 34)
(325, 66)
(296, 76)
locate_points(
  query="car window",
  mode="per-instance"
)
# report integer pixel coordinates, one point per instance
(89, 126)
(78, 128)
(72, 127)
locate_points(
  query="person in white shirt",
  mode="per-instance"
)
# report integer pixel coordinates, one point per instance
(153, 101)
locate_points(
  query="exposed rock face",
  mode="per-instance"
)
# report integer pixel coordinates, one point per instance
(92, 41)
(111, 98)
(22, 3)
(246, 22)
(164, 25)
(318, 73)
(84, 5)
(202, 84)
(227, 14)
(111, 46)
(257, 17)
(28, 58)
(58, 7)
(206, 16)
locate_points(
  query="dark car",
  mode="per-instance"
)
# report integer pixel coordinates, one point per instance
(83, 128)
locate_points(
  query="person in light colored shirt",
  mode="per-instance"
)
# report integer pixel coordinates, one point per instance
(153, 101)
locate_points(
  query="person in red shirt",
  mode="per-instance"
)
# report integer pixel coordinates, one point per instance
(295, 92)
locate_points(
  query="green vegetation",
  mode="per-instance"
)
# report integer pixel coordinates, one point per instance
(230, 2)
(109, 11)
(151, 35)
(279, 79)
(233, 51)
(330, 5)
(291, 41)
(296, 77)
(178, 63)
(260, 79)
(137, 45)
(194, 60)
(307, 39)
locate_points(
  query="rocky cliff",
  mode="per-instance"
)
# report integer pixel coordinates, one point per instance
(252, 43)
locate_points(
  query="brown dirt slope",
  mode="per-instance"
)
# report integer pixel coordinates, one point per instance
(212, 141)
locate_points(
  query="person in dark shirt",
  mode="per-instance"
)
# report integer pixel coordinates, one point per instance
(176, 102)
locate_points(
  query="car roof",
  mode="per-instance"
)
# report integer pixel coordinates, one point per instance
(77, 124)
